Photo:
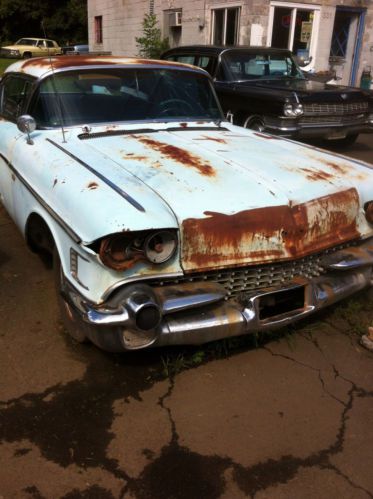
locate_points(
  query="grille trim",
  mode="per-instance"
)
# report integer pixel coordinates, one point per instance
(350, 118)
(256, 277)
(318, 109)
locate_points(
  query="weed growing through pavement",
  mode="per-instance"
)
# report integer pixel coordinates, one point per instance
(356, 314)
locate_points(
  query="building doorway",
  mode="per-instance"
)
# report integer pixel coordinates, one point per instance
(346, 43)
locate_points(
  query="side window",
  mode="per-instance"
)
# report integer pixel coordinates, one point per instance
(205, 62)
(14, 94)
(185, 59)
(50, 44)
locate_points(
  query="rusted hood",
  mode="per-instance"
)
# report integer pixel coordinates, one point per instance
(242, 197)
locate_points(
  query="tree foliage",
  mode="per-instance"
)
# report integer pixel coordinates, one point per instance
(151, 44)
(64, 21)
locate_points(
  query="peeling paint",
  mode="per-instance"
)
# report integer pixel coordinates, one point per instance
(180, 155)
(316, 175)
(213, 139)
(135, 157)
(92, 185)
(265, 136)
(265, 234)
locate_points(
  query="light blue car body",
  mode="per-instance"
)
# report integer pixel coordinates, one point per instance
(242, 204)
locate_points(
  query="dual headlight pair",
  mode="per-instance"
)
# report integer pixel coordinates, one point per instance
(293, 110)
(121, 251)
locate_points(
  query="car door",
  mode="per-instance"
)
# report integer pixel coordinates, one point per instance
(14, 93)
(42, 48)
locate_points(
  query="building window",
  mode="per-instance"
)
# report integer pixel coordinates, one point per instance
(225, 24)
(294, 27)
(98, 29)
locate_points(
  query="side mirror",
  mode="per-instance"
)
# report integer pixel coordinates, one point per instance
(26, 124)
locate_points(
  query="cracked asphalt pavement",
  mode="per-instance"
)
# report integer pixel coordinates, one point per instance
(289, 418)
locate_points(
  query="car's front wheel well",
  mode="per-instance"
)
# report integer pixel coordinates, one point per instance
(39, 238)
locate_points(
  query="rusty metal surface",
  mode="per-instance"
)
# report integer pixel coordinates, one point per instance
(38, 66)
(270, 233)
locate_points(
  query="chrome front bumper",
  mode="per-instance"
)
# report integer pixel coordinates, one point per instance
(196, 313)
(295, 130)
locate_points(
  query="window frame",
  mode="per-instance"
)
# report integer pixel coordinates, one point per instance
(225, 8)
(98, 25)
(12, 117)
(316, 8)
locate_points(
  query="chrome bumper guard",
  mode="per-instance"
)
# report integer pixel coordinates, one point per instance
(195, 313)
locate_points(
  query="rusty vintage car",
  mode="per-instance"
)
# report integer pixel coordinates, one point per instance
(168, 224)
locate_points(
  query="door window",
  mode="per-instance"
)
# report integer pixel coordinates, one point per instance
(14, 94)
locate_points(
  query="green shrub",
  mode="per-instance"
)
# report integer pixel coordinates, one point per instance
(151, 45)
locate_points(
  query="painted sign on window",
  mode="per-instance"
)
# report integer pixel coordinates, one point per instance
(306, 30)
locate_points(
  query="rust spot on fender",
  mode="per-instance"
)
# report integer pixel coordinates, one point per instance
(213, 139)
(92, 186)
(342, 168)
(266, 234)
(315, 175)
(265, 136)
(180, 155)
(134, 156)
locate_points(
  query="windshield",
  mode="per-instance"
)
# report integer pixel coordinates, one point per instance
(26, 41)
(251, 66)
(112, 95)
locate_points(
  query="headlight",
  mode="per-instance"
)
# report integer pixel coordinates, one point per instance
(293, 110)
(14, 52)
(122, 251)
(160, 246)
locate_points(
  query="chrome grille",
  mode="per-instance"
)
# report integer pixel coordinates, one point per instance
(334, 119)
(316, 109)
(246, 279)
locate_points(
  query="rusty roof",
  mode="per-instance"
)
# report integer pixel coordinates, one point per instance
(40, 66)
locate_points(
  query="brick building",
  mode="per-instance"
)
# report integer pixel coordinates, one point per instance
(337, 34)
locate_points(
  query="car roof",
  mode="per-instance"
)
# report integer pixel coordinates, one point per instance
(218, 49)
(41, 66)
(31, 38)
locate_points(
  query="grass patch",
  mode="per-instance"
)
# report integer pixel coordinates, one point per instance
(178, 359)
(4, 63)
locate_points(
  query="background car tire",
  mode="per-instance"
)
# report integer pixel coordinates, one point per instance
(70, 318)
(254, 123)
(27, 55)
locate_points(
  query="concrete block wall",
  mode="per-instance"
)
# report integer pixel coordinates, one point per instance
(122, 23)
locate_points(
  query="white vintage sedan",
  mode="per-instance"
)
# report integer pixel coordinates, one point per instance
(166, 223)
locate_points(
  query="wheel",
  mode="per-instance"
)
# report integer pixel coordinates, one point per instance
(27, 55)
(254, 123)
(70, 318)
(347, 141)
